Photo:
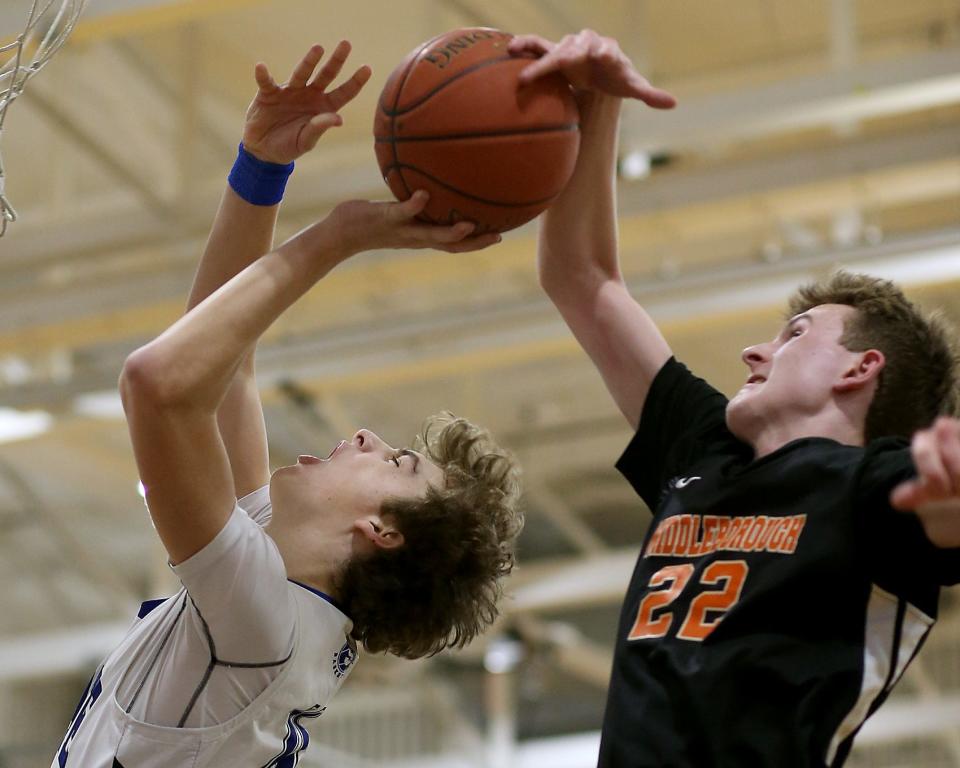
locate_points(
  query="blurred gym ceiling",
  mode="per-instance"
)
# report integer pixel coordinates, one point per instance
(808, 135)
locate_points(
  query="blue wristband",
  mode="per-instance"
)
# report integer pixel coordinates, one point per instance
(258, 182)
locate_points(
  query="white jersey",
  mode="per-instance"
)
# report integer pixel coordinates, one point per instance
(224, 673)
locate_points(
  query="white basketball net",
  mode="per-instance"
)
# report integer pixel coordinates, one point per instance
(49, 24)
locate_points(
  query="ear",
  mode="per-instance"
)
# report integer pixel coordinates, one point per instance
(372, 533)
(864, 371)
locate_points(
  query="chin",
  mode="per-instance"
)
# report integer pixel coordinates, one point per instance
(278, 480)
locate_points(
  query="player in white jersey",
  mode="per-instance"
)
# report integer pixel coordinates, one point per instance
(284, 575)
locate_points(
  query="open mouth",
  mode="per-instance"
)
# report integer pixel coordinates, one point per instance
(756, 379)
(337, 448)
(306, 458)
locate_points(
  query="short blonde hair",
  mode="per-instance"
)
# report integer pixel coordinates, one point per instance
(919, 381)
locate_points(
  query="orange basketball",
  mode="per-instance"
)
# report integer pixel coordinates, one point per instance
(454, 120)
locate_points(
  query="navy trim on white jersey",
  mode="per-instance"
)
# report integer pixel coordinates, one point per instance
(87, 700)
(147, 606)
(215, 662)
(156, 655)
(318, 593)
(297, 738)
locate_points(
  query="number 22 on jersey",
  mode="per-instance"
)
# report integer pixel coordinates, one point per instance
(727, 576)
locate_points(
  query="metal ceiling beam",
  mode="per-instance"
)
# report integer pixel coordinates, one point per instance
(347, 171)
(118, 594)
(210, 120)
(109, 19)
(572, 582)
(744, 177)
(565, 519)
(470, 339)
(866, 90)
(112, 224)
(567, 647)
(99, 149)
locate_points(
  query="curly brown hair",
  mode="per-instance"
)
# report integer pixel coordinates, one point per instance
(920, 379)
(442, 586)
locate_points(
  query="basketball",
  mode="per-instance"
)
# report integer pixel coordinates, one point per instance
(454, 120)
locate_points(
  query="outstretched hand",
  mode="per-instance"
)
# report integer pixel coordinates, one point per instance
(935, 493)
(589, 62)
(285, 121)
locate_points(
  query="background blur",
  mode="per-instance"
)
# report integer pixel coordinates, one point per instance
(809, 134)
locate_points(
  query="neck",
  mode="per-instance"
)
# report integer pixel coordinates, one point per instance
(835, 425)
(311, 558)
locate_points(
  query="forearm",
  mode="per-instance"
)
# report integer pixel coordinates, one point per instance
(578, 233)
(941, 522)
(192, 364)
(241, 233)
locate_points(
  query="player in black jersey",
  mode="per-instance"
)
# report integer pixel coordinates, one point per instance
(799, 541)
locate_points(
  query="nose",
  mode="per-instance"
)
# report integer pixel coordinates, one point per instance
(367, 441)
(754, 355)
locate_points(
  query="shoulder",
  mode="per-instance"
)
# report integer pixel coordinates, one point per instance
(257, 505)
(885, 462)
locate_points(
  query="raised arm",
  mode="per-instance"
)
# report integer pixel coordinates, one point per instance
(577, 250)
(282, 123)
(173, 387)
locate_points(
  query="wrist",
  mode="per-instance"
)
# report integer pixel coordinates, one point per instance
(314, 251)
(259, 155)
(257, 181)
(349, 229)
(591, 103)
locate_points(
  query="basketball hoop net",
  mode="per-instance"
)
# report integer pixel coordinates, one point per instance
(49, 24)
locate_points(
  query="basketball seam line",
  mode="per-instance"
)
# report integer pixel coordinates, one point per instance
(393, 114)
(406, 74)
(445, 83)
(401, 166)
(563, 128)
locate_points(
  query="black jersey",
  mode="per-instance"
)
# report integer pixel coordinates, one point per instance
(775, 601)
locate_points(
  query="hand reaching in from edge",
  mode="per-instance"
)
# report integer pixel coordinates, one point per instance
(589, 62)
(935, 493)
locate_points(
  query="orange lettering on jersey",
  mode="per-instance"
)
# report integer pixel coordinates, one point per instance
(730, 529)
(668, 541)
(711, 528)
(736, 540)
(685, 535)
(695, 536)
(723, 531)
(653, 546)
(792, 537)
(763, 542)
(782, 527)
(696, 542)
(753, 533)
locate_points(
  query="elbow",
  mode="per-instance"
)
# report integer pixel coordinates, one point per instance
(560, 283)
(143, 379)
(574, 285)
